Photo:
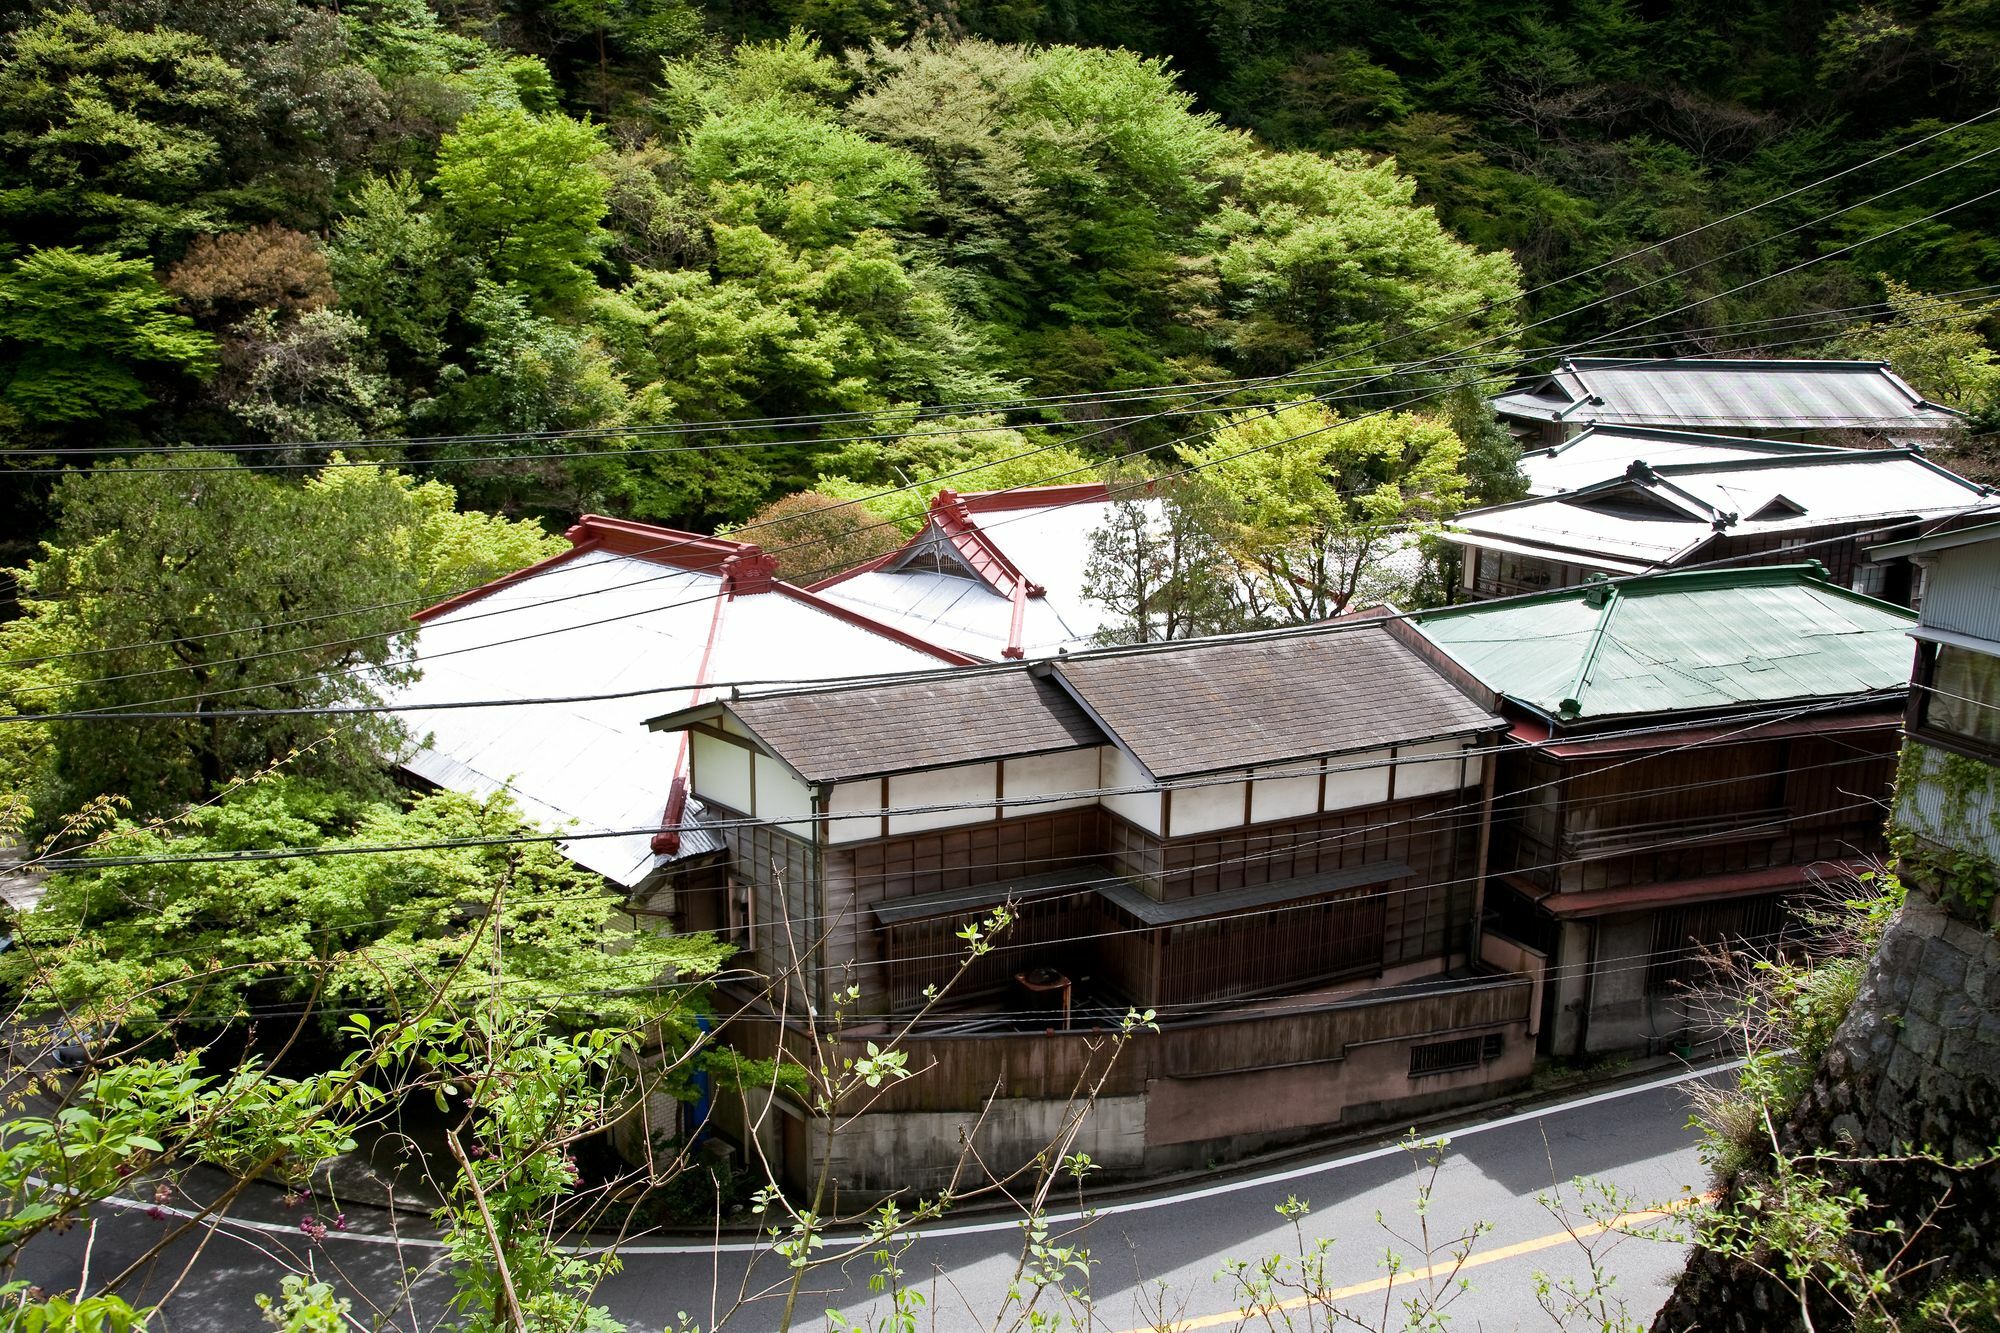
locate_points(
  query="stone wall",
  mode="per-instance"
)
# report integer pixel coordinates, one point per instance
(1916, 1065)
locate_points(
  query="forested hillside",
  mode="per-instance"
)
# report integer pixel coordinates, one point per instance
(257, 224)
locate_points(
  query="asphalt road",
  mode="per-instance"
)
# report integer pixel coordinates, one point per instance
(1155, 1259)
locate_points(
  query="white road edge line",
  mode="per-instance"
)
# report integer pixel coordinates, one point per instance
(985, 1228)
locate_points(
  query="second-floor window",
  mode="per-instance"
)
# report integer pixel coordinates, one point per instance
(1961, 698)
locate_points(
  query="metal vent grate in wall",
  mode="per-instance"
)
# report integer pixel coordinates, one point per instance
(1443, 1057)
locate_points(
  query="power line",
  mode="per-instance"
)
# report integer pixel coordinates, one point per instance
(426, 599)
(1463, 817)
(1188, 470)
(1285, 769)
(1489, 306)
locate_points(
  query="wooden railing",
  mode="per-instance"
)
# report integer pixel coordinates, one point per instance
(1620, 838)
(961, 1072)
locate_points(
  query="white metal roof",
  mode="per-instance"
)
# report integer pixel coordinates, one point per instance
(1658, 515)
(1600, 453)
(1710, 394)
(1049, 544)
(601, 622)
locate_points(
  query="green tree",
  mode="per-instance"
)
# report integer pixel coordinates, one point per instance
(446, 549)
(1934, 342)
(523, 194)
(1327, 511)
(81, 333)
(196, 586)
(112, 136)
(1159, 563)
(1317, 255)
(392, 263)
(210, 942)
(814, 536)
(896, 481)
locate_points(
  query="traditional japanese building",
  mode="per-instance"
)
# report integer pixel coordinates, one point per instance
(1843, 402)
(996, 574)
(1687, 755)
(1274, 841)
(1737, 506)
(631, 619)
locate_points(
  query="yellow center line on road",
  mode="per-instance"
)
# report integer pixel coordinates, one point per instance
(1449, 1268)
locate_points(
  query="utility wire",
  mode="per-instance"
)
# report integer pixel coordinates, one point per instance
(1488, 307)
(1195, 467)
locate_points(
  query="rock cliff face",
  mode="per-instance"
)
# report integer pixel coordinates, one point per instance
(1916, 1064)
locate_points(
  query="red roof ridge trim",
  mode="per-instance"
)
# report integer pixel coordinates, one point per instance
(887, 631)
(954, 522)
(1035, 497)
(640, 541)
(667, 842)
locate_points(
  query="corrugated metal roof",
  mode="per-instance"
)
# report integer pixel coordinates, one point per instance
(1679, 642)
(1708, 394)
(603, 622)
(1600, 453)
(1662, 514)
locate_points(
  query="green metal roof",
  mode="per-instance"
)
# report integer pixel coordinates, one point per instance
(1662, 643)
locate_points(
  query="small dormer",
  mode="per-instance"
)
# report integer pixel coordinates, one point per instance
(1778, 507)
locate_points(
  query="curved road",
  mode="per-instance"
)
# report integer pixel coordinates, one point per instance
(1156, 1257)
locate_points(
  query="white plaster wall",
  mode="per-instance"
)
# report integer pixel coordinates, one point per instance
(782, 799)
(847, 797)
(1283, 798)
(960, 786)
(1216, 804)
(1420, 779)
(1364, 786)
(1142, 809)
(1041, 774)
(721, 771)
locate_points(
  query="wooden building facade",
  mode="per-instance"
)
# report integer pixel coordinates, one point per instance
(1690, 756)
(1246, 836)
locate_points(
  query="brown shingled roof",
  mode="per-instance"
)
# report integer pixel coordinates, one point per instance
(930, 721)
(1233, 703)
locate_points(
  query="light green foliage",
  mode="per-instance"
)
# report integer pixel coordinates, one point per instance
(1326, 508)
(530, 1096)
(111, 136)
(801, 175)
(305, 1306)
(392, 262)
(80, 333)
(205, 943)
(147, 1115)
(59, 1314)
(1319, 254)
(446, 549)
(793, 72)
(521, 193)
(896, 481)
(1935, 344)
